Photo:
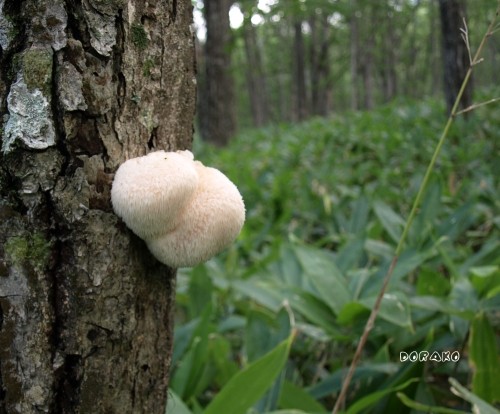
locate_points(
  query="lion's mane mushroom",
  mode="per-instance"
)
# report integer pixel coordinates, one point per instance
(185, 212)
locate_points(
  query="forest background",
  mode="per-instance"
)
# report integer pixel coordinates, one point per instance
(326, 114)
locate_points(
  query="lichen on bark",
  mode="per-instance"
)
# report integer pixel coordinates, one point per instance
(30, 118)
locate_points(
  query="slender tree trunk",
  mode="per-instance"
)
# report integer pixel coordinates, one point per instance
(85, 310)
(388, 59)
(256, 80)
(220, 115)
(320, 65)
(433, 54)
(455, 55)
(354, 56)
(299, 73)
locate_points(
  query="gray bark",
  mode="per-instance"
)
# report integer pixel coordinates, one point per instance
(256, 80)
(85, 310)
(299, 73)
(455, 55)
(218, 99)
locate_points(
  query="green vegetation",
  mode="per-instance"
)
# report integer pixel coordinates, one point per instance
(326, 204)
(37, 69)
(34, 249)
(139, 36)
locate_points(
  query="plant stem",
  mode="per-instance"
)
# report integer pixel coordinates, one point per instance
(416, 203)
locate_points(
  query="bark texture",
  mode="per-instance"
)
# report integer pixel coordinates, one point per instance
(217, 106)
(455, 54)
(85, 310)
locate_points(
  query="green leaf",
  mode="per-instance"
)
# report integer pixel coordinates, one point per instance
(351, 311)
(200, 291)
(391, 221)
(220, 354)
(296, 397)
(376, 396)
(479, 406)
(485, 279)
(484, 359)
(359, 217)
(325, 276)
(426, 408)
(175, 405)
(431, 282)
(349, 256)
(248, 385)
(394, 309)
(262, 292)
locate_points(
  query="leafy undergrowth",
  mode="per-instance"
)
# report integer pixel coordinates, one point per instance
(326, 203)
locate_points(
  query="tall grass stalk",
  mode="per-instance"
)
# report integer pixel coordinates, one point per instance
(416, 203)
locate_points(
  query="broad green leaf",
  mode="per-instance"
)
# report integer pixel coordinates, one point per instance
(359, 217)
(394, 309)
(200, 291)
(408, 262)
(262, 292)
(315, 311)
(296, 397)
(247, 386)
(325, 276)
(376, 396)
(175, 405)
(479, 406)
(351, 311)
(369, 372)
(220, 354)
(262, 333)
(427, 214)
(425, 408)
(484, 357)
(485, 279)
(190, 370)
(349, 256)
(391, 221)
(431, 282)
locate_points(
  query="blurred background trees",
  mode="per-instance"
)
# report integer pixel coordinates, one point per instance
(271, 60)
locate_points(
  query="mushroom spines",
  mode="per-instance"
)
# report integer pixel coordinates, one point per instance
(211, 221)
(149, 192)
(186, 212)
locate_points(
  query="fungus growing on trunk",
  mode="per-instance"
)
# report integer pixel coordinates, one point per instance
(185, 212)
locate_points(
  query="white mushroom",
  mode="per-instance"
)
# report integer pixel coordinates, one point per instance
(185, 212)
(150, 192)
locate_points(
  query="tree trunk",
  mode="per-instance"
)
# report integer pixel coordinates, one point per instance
(220, 116)
(256, 80)
(354, 56)
(320, 65)
(455, 55)
(85, 310)
(299, 73)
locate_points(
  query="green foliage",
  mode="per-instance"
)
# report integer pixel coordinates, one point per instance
(326, 202)
(33, 249)
(139, 36)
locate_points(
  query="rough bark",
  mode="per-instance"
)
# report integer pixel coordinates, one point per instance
(455, 55)
(256, 81)
(85, 310)
(354, 60)
(320, 65)
(220, 114)
(299, 73)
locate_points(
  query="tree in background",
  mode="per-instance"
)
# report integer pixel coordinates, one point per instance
(456, 58)
(295, 59)
(85, 310)
(217, 109)
(256, 79)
